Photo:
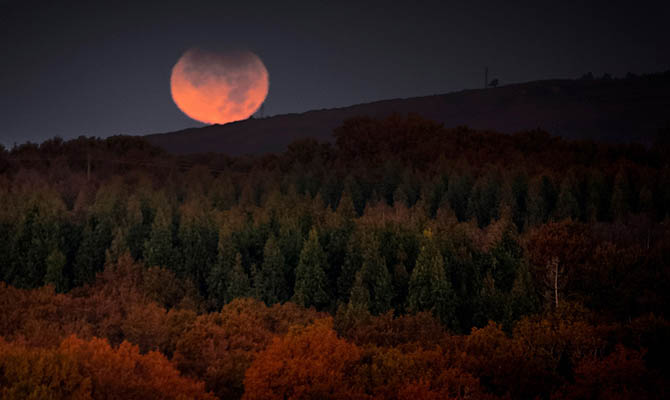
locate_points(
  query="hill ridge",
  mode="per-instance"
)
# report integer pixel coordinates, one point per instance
(615, 110)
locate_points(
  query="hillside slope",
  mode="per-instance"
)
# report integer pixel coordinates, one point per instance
(619, 110)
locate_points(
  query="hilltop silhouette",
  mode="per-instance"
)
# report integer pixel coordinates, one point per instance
(634, 109)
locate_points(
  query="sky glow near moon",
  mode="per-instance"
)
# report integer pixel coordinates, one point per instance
(217, 88)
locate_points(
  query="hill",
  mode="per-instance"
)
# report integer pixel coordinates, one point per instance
(614, 110)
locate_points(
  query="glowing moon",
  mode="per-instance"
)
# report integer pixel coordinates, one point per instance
(217, 88)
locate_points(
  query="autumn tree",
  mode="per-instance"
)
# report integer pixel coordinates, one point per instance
(308, 363)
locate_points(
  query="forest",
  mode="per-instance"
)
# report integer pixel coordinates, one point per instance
(404, 260)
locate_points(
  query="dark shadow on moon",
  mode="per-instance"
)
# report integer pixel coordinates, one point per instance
(239, 69)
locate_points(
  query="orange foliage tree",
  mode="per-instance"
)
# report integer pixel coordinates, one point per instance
(92, 369)
(307, 363)
(219, 347)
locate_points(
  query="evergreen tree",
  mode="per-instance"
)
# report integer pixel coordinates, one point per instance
(197, 244)
(55, 273)
(90, 257)
(37, 234)
(458, 194)
(217, 280)
(356, 310)
(6, 259)
(269, 282)
(237, 284)
(141, 217)
(310, 281)
(524, 299)
(376, 277)
(518, 200)
(223, 192)
(400, 280)
(353, 261)
(158, 249)
(345, 207)
(484, 200)
(567, 205)
(290, 242)
(541, 201)
(429, 289)
(492, 303)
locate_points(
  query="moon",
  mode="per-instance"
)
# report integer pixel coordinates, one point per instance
(218, 87)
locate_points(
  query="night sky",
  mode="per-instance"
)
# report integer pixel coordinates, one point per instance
(86, 68)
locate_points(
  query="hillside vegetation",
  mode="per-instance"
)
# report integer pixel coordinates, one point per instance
(403, 261)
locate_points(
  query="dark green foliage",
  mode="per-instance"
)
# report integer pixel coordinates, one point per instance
(519, 200)
(375, 276)
(217, 280)
(6, 234)
(56, 273)
(429, 289)
(138, 233)
(197, 247)
(247, 226)
(159, 248)
(458, 194)
(567, 205)
(237, 282)
(311, 284)
(269, 281)
(484, 200)
(90, 259)
(36, 236)
(542, 199)
(353, 260)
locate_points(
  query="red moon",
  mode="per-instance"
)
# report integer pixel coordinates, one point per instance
(217, 88)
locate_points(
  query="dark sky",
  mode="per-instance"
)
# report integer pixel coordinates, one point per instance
(101, 68)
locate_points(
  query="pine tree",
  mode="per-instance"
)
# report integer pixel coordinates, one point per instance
(36, 235)
(484, 201)
(458, 194)
(429, 289)
(217, 280)
(353, 261)
(310, 281)
(357, 310)
(158, 249)
(400, 281)
(376, 277)
(567, 205)
(542, 198)
(359, 298)
(524, 299)
(91, 254)
(238, 281)
(198, 251)
(55, 273)
(269, 282)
